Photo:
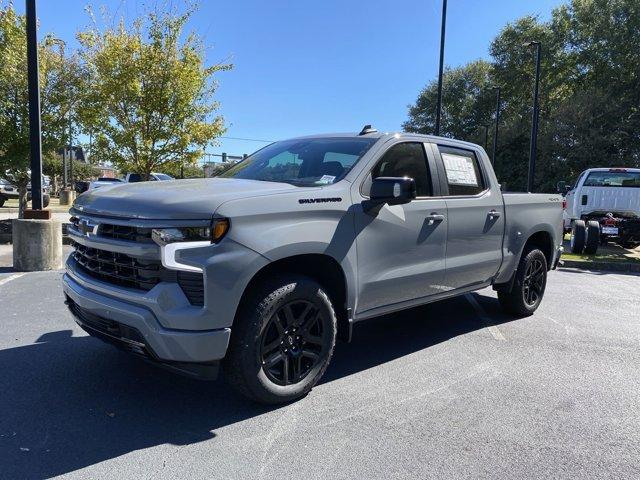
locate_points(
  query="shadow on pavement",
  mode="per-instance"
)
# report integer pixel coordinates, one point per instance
(70, 402)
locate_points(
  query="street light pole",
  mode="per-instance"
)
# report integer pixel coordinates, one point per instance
(35, 140)
(495, 133)
(533, 146)
(441, 67)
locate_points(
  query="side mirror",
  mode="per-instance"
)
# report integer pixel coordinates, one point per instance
(393, 190)
(562, 187)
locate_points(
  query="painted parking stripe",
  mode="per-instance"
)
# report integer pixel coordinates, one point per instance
(493, 330)
(10, 277)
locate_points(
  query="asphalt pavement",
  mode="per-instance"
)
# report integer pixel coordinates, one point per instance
(455, 389)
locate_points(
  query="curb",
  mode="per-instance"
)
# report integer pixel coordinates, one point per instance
(599, 266)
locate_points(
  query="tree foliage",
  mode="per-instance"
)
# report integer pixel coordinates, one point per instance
(55, 96)
(148, 98)
(589, 93)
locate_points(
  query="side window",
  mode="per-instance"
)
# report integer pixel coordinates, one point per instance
(462, 168)
(406, 160)
(135, 177)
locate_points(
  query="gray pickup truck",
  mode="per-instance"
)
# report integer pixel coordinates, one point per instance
(263, 267)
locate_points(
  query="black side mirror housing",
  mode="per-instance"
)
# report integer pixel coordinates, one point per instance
(392, 190)
(562, 187)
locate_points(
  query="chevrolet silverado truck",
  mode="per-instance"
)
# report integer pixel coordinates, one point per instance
(259, 270)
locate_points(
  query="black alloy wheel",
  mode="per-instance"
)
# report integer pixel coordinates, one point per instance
(534, 281)
(282, 339)
(292, 342)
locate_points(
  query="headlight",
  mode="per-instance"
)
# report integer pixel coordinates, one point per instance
(171, 240)
(214, 233)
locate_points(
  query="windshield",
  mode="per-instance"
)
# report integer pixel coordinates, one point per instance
(613, 179)
(304, 162)
(162, 176)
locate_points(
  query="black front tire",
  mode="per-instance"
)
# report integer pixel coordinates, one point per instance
(46, 200)
(528, 286)
(593, 237)
(578, 236)
(282, 340)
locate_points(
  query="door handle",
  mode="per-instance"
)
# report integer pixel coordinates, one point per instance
(493, 214)
(433, 218)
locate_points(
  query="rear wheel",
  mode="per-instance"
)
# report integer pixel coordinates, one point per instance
(529, 285)
(593, 237)
(578, 236)
(282, 340)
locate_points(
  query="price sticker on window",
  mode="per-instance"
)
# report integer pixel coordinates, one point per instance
(460, 170)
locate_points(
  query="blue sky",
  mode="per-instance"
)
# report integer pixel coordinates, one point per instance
(325, 66)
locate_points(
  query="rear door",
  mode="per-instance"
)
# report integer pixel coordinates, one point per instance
(475, 213)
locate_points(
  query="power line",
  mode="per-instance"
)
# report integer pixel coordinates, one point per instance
(248, 139)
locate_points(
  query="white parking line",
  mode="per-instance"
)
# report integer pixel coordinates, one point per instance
(10, 277)
(493, 330)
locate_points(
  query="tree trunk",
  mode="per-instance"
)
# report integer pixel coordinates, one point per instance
(22, 200)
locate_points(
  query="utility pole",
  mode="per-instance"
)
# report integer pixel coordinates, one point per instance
(486, 137)
(495, 130)
(35, 139)
(441, 67)
(533, 146)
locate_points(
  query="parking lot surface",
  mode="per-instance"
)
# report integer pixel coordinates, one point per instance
(455, 389)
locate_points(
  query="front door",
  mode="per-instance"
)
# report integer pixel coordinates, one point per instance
(401, 248)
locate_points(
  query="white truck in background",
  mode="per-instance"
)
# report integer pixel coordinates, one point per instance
(153, 177)
(603, 205)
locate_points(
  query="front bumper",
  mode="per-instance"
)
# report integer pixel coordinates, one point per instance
(137, 329)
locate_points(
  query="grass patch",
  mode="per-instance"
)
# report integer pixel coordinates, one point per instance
(603, 257)
(610, 253)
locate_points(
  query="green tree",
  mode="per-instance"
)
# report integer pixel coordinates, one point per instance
(148, 98)
(589, 93)
(467, 102)
(14, 98)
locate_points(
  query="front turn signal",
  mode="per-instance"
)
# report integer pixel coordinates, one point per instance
(219, 229)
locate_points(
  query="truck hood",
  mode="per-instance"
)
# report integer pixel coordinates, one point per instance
(174, 200)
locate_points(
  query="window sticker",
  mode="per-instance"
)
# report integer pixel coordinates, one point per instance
(460, 170)
(326, 180)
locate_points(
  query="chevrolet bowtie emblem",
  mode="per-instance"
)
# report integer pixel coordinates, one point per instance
(86, 227)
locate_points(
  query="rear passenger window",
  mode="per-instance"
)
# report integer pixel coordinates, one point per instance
(406, 160)
(464, 176)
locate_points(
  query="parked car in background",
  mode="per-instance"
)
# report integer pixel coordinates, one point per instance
(603, 204)
(261, 267)
(153, 177)
(104, 182)
(10, 191)
(7, 191)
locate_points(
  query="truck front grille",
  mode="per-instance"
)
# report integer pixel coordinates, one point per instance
(118, 268)
(137, 273)
(120, 232)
